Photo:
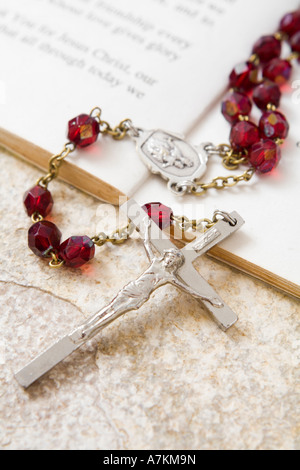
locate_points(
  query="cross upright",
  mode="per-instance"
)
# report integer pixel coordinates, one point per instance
(170, 265)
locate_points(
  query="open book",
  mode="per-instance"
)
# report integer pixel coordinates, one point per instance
(163, 64)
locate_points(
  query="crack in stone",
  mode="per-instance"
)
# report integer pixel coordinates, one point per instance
(112, 424)
(44, 291)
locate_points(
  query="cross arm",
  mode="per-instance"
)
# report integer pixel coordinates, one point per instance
(223, 315)
(215, 235)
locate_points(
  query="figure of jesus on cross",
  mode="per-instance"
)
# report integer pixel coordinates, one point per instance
(169, 265)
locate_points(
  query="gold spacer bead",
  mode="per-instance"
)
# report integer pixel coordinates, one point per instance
(36, 217)
(96, 113)
(254, 59)
(243, 118)
(55, 262)
(280, 35)
(293, 56)
(271, 107)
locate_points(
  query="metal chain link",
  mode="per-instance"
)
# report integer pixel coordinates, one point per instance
(36, 217)
(231, 161)
(55, 163)
(201, 225)
(55, 261)
(118, 132)
(221, 182)
(184, 223)
(220, 150)
(116, 238)
(231, 158)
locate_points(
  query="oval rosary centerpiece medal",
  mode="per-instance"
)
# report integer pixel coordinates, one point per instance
(170, 156)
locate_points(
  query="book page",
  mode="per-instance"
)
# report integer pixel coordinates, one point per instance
(163, 64)
(159, 62)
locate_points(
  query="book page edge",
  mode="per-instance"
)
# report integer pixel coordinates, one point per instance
(256, 271)
(95, 187)
(68, 173)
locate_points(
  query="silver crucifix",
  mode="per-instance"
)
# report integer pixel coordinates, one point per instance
(170, 265)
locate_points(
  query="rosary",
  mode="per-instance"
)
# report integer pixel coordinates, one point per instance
(259, 79)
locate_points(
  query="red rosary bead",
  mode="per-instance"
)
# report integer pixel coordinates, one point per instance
(244, 76)
(159, 213)
(264, 155)
(290, 23)
(83, 130)
(76, 251)
(267, 48)
(266, 93)
(244, 134)
(295, 43)
(278, 71)
(43, 237)
(236, 104)
(273, 125)
(38, 199)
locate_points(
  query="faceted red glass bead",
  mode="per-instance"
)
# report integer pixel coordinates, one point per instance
(295, 43)
(266, 93)
(38, 199)
(267, 48)
(76, 251)
(159, 213)
(273, 125)
(290, 23)
(244, 76)
(234, 105)
(264, 155)
(244, 134)
(43, 237)
(83, 130)
(278, 71)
